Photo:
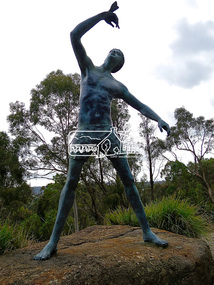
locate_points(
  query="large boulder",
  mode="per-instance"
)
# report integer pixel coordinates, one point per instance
(112, 255)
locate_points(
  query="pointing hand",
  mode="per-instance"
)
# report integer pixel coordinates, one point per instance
(110, 17)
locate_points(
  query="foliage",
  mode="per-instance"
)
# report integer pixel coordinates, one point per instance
(41, 229)
(41, 144)
(95, 199)
(206, 165)
(171, 214)
(120, 114)
(14, 191)
(122, 216)
(176, 215)
(12, 237)
(152, 150)
(181, 181)
(178, 178)
(42, 130)
(21, 193)
(11, 171)
(42, 134)
(40, 222)
(194, 136)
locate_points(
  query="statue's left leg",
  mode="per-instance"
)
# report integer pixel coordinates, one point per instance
(122, 167)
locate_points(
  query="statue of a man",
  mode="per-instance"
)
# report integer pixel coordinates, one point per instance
(98, 88)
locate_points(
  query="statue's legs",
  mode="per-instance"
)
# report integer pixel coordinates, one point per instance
(65, 204)
(122, 167)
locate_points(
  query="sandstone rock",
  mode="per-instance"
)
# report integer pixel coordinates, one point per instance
(112, 255)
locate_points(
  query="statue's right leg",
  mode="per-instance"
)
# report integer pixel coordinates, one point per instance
(65, 203)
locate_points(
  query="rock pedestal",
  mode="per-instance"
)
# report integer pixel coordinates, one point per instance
(112, 255)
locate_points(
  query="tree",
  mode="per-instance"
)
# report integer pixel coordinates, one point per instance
(10, 169)
(14, 191)
(195, 136)
(178, 178)
(42, 130)
(43, 210)
(42, 134)
(151, 148)
(120, 114)
(204, 173)
(208, 167)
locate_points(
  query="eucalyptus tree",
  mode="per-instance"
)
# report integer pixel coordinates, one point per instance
(14, 191)
(153, 150)
(42, 129)
(196, 137)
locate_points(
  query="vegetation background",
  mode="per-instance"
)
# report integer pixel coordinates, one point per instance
(37, 146)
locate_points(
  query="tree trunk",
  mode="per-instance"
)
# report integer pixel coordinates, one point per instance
(150, 166)
(209, 189)
(151, 181)
(210, 193)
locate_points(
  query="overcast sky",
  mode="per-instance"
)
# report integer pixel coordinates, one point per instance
(168, 47)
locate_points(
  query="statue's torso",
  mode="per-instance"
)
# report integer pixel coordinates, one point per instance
(97, 91)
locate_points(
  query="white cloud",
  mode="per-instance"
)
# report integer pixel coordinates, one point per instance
(193, 38)
(192, 3)
(212, 102)
(192, 58)
(186, 74)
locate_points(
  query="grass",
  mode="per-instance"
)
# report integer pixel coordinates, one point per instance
(171, 214)
(12, 237)
(122, 216)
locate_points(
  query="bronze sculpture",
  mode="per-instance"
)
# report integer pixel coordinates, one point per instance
(98, 88)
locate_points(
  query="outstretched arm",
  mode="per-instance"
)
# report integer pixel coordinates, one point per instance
(77, 33)
(144, 110)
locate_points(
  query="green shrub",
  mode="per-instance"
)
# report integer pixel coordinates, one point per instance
(177, 216)
(12, 237)
(41, 229)
(33, 225)
(122, 216)
(171, 214)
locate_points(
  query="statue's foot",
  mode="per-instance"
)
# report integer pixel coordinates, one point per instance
(151, 237)
(46, 253)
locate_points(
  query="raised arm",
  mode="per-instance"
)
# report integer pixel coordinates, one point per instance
(83, 60)
(144, 110)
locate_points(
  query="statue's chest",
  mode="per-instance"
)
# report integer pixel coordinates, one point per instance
(101, 83)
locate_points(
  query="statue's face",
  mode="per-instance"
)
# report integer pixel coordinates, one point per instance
(115, 53)
(115, 59)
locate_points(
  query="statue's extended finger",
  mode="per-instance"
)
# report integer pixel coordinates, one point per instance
(110, 23)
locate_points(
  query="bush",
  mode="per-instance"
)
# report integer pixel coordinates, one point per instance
(171, 214)
(12, 237)
(33, 225)
(41, 229)
(177, 216)
(122, 216)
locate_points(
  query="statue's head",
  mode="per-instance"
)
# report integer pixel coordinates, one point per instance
(117, 57)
